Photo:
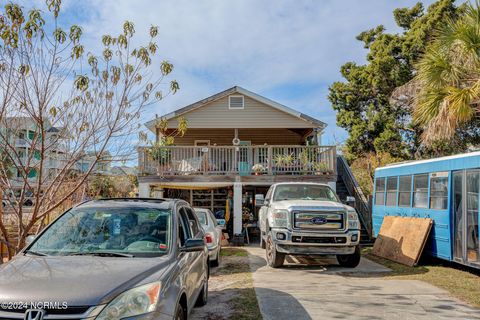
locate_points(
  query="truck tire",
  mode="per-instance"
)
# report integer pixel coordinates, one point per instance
(262, 240)
(275, 259)
(350, 260)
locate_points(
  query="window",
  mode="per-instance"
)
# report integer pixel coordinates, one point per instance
(192, 227)
(304, 192)
(439, 190)
(269, 194)
(405, 191)
(420, 191)
(182, 235)
(392, 183)
(142, 232)
(236, 102)
(193, 223)
(32, 173)
(22, 154)
(380, 192)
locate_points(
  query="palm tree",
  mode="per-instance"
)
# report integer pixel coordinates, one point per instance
(448, 77)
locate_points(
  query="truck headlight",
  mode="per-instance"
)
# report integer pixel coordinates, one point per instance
(132, 303)
(352, 218)
(280, 218)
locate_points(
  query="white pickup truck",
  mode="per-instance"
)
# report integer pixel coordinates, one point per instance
(308, 219)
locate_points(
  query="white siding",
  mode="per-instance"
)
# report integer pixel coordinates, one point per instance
(217, 114)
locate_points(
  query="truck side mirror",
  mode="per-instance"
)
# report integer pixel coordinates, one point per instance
(350, 201)
(259, 200)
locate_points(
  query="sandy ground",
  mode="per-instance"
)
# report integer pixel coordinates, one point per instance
(229, 284)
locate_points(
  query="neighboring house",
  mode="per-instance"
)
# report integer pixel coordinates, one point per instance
(122, 171)
(236, 140)
(20, 134)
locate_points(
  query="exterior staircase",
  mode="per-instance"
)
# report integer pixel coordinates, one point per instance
(347, 185)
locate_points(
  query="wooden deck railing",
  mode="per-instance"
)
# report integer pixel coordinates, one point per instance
(241, 160)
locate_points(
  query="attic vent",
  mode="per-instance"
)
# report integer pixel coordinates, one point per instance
(235, 102)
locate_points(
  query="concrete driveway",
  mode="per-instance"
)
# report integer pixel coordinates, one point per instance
(326, 291)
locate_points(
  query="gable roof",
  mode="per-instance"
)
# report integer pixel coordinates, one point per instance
(236, 89)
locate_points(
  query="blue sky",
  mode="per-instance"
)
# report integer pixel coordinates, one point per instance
(289, 51)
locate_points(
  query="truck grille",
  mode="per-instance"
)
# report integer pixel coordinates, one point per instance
(318, 220)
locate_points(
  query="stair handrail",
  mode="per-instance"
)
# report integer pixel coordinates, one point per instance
(361, 202)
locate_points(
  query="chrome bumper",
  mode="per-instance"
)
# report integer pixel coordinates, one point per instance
(293, 242)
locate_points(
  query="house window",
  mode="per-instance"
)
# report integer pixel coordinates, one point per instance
(420, 191)
(439, 190)
(392, 183)
(236, 102)
(32, 173)
(380, 191)
(405, 191)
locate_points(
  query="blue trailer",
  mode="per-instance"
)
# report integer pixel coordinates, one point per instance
(446, 190)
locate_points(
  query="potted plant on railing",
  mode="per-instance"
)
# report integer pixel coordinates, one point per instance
(305, 163)
(258, 169)
(161, 155)
(283, 162)
(322, 168)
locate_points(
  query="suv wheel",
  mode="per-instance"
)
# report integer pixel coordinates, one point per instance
(203, 297)
(180, 313)
(275, 259)
(350, 260)
(216, 262)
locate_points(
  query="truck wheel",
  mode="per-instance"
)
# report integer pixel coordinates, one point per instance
(262, 241)
(350, 260)
(275, 259)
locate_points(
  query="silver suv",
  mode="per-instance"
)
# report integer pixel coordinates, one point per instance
(110, 259)
(308, 219)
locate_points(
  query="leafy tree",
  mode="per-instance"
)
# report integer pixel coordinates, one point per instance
(363, 101)
(448, 78)
(90, 100)
(364, 168)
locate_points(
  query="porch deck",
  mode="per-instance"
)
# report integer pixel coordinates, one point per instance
(244, 161)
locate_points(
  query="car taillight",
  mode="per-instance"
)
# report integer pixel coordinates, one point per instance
(208, 238)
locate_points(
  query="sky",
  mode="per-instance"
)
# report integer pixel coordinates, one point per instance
(289, 51)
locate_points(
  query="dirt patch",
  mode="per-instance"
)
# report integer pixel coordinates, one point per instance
(231, 292)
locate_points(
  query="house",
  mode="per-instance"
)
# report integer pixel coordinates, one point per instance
(20, 137)
(237, 142)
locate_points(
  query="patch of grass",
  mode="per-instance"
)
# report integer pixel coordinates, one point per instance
(236, 252)
(245, 304)
(461, 282)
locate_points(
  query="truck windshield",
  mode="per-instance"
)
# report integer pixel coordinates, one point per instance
(123, 232)
(304, 192)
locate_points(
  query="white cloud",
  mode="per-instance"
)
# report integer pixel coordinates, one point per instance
(261, 45)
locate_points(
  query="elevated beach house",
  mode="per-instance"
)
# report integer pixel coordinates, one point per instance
(237, 144)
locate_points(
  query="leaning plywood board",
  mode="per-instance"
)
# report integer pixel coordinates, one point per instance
(402, 239)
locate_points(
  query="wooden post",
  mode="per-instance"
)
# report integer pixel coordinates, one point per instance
(270, 161)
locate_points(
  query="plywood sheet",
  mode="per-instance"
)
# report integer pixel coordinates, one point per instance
(402, 239)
